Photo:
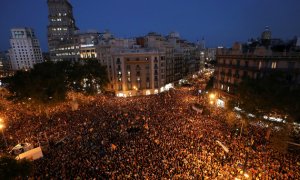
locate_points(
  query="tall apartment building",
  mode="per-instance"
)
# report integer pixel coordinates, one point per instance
(256, 59)
(61, 30)
(136, 72)
(25, 49)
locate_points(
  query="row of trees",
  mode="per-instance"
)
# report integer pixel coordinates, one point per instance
(50, 81)
(274, 94)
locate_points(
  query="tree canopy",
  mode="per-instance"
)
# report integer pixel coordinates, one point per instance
(50, 81)
(272, 94)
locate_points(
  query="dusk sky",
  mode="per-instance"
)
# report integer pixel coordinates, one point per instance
(220, 22)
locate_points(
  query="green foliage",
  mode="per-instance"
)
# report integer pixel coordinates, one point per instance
(10, 168)
(88, 76)
(49, 81)
(210, 84)
(272, 94)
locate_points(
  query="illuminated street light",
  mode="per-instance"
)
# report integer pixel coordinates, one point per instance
(2, 127)
(212, 96)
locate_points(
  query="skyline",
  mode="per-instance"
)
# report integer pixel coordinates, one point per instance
(219, 23)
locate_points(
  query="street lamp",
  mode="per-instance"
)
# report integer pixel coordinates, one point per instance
(2, 127)
(212, 96)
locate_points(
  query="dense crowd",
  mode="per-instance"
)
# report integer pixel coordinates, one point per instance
(149, 137)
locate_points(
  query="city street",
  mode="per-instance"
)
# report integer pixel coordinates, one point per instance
(147, 137)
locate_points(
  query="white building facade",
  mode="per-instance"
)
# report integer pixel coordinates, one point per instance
(25, 49)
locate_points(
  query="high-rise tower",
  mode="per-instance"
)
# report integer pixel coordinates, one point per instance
(25, 49)
(61, 30)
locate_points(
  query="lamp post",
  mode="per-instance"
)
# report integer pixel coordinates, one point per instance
(2, 127)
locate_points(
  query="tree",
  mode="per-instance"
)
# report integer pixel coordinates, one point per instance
(273, 94)
(50, 81)
(11, 168)
(88, 76)
(210, 84)
(279, 140)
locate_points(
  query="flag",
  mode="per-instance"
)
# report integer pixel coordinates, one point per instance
(224, 147)
(113, 147)
(146, 126)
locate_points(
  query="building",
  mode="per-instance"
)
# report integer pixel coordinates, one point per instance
(61, 30)
(25, 49)
(5, 64)
(256, 59)
(86, 43)
(146, 65)
(136, 72)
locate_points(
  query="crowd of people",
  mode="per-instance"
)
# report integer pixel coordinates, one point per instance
(148, 137)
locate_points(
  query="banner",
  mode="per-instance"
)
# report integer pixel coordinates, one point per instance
(32, 154)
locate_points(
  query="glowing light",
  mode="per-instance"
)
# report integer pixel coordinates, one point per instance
(212, 96)
(220, 103)
(121, 95)
(148, 92)
(246, 175)
(86, 45)
(237, 109)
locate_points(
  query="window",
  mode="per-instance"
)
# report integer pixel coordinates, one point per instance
(156, 84)
(259, 65)
(138, 67)
(273, 65)
(129, 86)
(246, 64)
(120, 87)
